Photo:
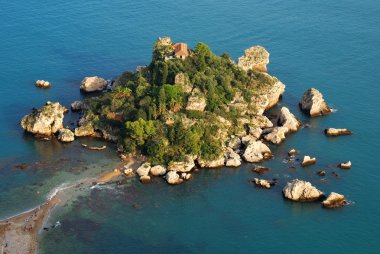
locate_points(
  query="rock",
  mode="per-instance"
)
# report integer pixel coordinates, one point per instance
(247, 139)
(276, 134)
(144, 169)
(196, 101)
(258, 104)
(182, 166)
(173, 178)
(65, 135)
(255, 58)
(298, 190)
(287, 119)
(85, 131)
(145, 179)
(261, 122)
(262, 183)
(78, 106)
(234, 143)
(260, 170)
(292, 152)
(128, 172)
(182, 80)
(42, 84)
(345, 165)
(45, 121)
(218, 162)
(307, 161)
(255, 132)
(275, 93)
(186, 176)
(256, 151)
(334, 200)
(331, 132)
(313, 103)
(158, 170)
(93, 84)
(232, 159)
(321, 173)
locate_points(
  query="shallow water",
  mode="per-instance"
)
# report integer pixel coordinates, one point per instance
(332, 45)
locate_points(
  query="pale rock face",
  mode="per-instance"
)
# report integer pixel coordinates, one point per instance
(196, 101)
(219, 162)
(45, 121)
(93, 84)
(334, 200)
(158, 170)
(65, 135)
(307, 161)
(234, 143)
(173, 178)
(261, 121)
(255, 58)
(183, 80)
(182, 166)
(85, 130)
(262, 183)
(255, 132)
(232, 159)
(256, 151)
(287, 119)
(275, 93)
(345, 165)
(298, 190)
(337, 132)
(78, 106)
(313, 103)
(239, 104)
(144, 169)
(42, 84)
(275, 135)
(259, 102)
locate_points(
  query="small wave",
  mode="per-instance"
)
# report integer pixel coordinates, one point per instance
(334, 110)
(350, 202)
(102, 187)
(60, 188)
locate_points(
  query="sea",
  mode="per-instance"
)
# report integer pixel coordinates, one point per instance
(330, 45)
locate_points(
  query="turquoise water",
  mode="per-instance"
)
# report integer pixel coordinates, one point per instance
(332, 45)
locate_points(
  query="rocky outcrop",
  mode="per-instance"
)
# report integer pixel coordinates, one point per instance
(313, 103)
(45, 121)
(158, 170)
(93, 84)
(232, 159)
(298, 190)
(78, 106)
(182, 80)
(334, 200)
(144, 169)
(345, 165)
(196, 101)
(255, 132)
(85, 131)
(218, 162)
(42, 84)
(275, 135)
(234, 143)
(275, 93)
(173, 178)
(287, 119)
(256, 151)
(260, 169)
(332, 132)
(307, 161)
(259, 103)
(261, 122)
(65, 135)
(182, 166)
(262, 183)
(255, 58)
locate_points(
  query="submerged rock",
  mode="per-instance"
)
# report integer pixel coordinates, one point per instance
(93, 84)
(276, 135)
(292, 152)
(331, 132)
(260, 169)
(45, 121)
(298, 190)
(321, 173)
(334, 200)
(158, 170)
(287, 119)
(173, 178)
(313, 103)
(345, 165)
(42, 84)
(65, 135)
(307, 161)
(257, 151)
(255, 58)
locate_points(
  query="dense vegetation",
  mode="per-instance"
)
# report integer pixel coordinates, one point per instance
(149, 110)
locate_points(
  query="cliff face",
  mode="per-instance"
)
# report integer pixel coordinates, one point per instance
(255, 58)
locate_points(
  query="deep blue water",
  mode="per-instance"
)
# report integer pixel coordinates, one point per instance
(330, 45)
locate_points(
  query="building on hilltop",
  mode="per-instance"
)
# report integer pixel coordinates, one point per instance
(180, 50)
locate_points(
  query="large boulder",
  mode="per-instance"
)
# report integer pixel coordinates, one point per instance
(313, 103)
(332, 132)
(345, 165)
(93, 84)
(42, 84)
(218, 162)
(256, 151)
(144, 169)
(334, 200)
(232, 159)
(65, 135)
(275, 135)
(44, 121)
(158, 170)
(307, 161)
(196, 101)
(173, 178)
(298, 190)
(287, 119)
(182, 166)
(255, 58)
